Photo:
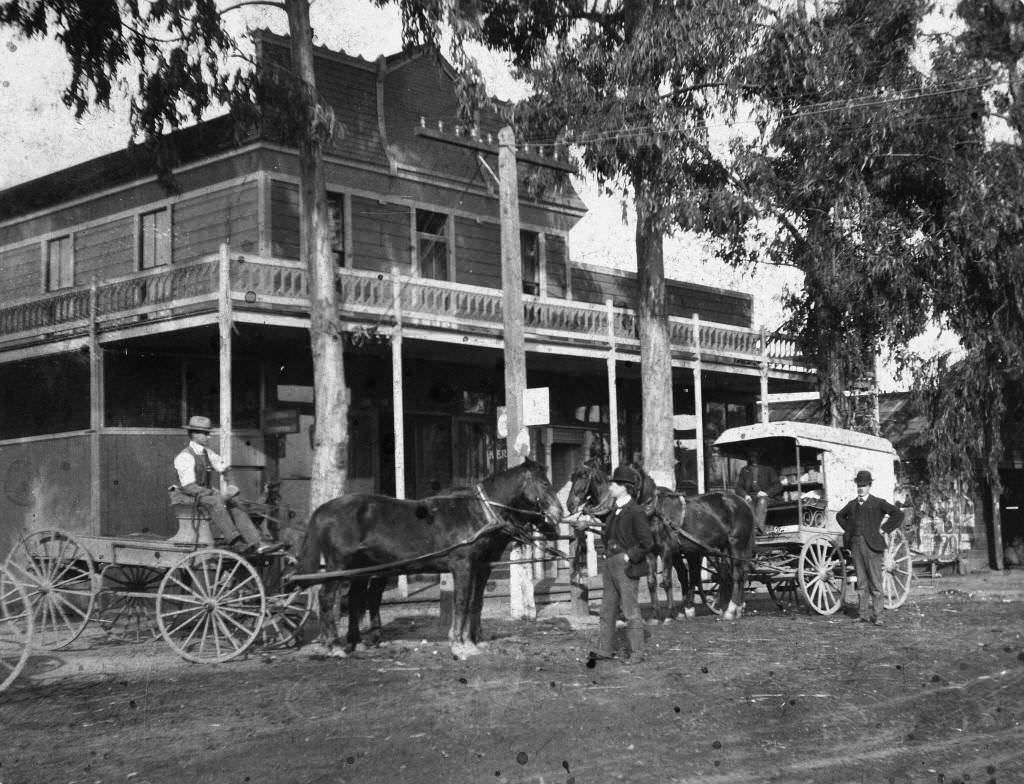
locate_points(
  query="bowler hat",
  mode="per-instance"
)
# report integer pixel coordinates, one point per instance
(199, 424)
(862, 478)
(624, 475)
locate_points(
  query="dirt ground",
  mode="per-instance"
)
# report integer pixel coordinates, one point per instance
(935, 696)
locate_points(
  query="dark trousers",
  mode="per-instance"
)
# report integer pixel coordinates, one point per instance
(619, 591)
(230, 521)
(868, 564)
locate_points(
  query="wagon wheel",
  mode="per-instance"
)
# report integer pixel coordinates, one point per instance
(821, 575)
(785, 593)
(896, 570)
(210, 606)
(287, 613)
(58, 574)
(127, 601)
(15, 628)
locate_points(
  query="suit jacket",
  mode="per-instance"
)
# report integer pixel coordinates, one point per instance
(868, 523)
(628, 528)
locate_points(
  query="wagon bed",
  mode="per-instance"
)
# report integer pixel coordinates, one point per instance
(209, 604)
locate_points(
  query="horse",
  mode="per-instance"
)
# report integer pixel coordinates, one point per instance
(371, 537)
(684, 530)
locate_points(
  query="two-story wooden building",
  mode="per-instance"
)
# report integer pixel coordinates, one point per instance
(113, 292)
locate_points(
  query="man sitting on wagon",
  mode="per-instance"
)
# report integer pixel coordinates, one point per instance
(760, 486)
(197, 467)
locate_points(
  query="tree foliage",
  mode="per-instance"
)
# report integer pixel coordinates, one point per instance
(634, 86)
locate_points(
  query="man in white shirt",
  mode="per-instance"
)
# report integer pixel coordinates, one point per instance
(198, 468)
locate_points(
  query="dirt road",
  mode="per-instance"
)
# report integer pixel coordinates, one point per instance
(936, 696)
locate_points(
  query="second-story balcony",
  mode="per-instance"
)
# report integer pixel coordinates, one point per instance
(156, 299)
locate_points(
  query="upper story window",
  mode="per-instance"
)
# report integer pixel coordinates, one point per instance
(336, 226)
(432, 244)
(155, 239)
(529, 248)
(60, 269)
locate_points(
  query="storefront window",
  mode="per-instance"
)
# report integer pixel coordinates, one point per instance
(45, 395)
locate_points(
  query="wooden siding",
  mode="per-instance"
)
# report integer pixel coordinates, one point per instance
(722, 307)
(285, 220)
(350, 88)
(203, 222)
(380, 235)
(477, 253)
(47, 486)
(555, 264)
(21, 272)
(140, 197)
(352, 93)
(105, 251)
(136, 470)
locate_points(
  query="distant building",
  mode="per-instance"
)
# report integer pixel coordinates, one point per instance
(111, 296)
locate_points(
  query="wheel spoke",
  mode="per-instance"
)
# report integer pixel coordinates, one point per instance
(196, 615)
(235, 589)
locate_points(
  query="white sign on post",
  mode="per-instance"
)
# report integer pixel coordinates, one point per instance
(536, 407)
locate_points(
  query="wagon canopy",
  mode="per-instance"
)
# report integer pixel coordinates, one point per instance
(838, 453)
(772, 436)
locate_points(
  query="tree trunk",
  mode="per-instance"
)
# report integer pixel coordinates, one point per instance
(655, 352)
(330, 441)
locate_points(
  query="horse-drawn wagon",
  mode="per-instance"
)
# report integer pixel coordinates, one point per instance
(798, 554)
(208, 603)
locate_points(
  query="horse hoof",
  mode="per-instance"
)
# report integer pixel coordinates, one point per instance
(337, 653)
(690, 612)
(666, 620)
(360, 646)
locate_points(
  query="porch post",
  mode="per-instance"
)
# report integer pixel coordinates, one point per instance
(224, 319)
(765, 415)
(398, 402)
(698, 404)
(95, 411)
(613, 394)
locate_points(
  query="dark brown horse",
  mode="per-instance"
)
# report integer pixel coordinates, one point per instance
(462, 531)
(684, 531)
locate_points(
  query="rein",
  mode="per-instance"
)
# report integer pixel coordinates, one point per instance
(494, 523)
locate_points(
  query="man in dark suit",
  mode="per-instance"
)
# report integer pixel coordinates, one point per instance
(759, 485)
(627, 540)
(864, 521)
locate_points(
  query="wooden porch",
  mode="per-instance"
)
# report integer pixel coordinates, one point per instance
(267, 290)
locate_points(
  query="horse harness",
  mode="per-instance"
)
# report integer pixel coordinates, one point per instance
(494, 523)
(591, 471)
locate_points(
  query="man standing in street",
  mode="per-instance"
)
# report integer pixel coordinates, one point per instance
(864, 521)
(627, 541)
(759, 485)
(197, 468)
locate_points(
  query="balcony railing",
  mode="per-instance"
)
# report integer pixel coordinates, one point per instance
(275, 284)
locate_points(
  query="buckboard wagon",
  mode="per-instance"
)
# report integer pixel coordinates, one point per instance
(799, 557)
(208, 603)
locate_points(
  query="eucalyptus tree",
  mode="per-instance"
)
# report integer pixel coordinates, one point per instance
(634, 86)
(178, 61)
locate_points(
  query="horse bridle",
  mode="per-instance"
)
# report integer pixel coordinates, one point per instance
(595, 509)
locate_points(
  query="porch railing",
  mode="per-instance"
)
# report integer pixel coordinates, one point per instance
(261, 283)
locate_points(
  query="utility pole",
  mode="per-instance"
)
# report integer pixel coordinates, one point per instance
(520, 574)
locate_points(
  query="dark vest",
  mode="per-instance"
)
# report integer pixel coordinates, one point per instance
(204, 468)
